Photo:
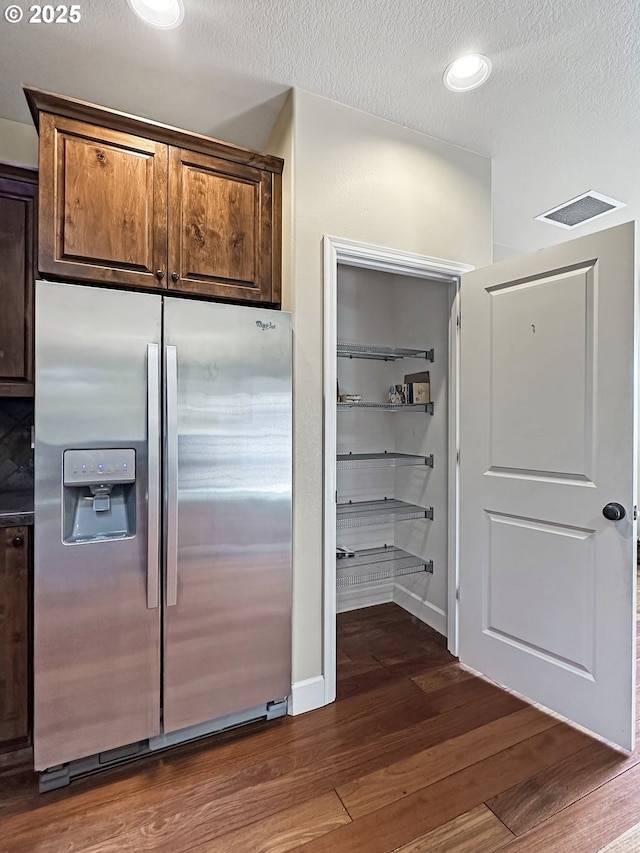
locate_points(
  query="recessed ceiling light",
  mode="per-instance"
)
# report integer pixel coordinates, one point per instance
(467, 72)
(165, 14)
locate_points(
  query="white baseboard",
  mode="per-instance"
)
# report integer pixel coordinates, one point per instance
(364, 595)
(426, 612)
(306, 695)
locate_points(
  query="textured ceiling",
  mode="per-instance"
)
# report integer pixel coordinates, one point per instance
(560, 114)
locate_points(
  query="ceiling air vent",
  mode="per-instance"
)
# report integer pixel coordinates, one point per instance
(582, 208)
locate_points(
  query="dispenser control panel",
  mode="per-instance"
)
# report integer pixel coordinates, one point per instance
(106, 465)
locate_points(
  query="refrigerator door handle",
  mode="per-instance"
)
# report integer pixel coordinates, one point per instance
(153, 473)
(171, 433)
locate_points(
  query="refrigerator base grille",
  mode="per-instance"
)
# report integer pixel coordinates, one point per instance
(63, 774)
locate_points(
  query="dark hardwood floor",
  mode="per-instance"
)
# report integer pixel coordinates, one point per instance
(416, 756)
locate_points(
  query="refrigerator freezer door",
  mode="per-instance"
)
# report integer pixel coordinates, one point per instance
(96, 640)
(227, 643)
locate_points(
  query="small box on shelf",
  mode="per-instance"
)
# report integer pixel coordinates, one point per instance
(398, 394)
(419, 387)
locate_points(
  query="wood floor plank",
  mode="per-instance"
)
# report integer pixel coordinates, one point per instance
(280, 832)
(414, 665)
(476, 831)
(362, 642)
(357, 666)
(541, 796)
(227, 754)
(589, 824)
(382, 643)
(165, 784)
(441, 677)
(272, 787)
(628, 842)
(389, 673)
(224, 802)
(381, 615)
(342, 656)
(391, 783)
(384, 830)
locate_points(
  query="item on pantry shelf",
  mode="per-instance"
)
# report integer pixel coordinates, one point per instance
(419, 387)
(399, 394)
(350, 398)
(420, 392)
(341, 551)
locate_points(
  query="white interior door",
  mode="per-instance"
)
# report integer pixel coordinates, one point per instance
(548, 439)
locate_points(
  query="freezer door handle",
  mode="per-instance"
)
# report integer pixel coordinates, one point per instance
(171, 390)
(153, 472)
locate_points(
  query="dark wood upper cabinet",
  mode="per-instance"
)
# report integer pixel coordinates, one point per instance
(18, 203)
(130, 202)
(103, 207)
(220, 227)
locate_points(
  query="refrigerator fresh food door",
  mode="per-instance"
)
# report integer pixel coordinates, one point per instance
(227, 644)
(96, 585)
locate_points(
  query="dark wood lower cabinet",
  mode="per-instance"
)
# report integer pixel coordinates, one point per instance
(14, 638)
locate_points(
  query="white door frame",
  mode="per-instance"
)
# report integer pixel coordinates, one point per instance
(368, 256)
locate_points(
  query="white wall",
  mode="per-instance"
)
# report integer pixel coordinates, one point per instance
(362, 178)
(422, 321)
(281, 143)
(18, 143)
(504, 253)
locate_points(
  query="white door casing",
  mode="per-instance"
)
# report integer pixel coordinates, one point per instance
(338, 250)
(547, 438)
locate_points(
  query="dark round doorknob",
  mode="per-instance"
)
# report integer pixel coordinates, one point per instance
(17, 541)
(160, 274)
(614, 512)
(175, 276)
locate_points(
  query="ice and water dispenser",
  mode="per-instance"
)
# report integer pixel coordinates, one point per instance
(99, 495)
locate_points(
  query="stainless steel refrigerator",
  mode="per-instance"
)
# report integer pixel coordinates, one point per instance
(162, 588)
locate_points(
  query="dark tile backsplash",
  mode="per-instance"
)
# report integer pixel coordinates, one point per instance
(16, 455)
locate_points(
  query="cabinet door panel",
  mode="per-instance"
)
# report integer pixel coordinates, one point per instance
(103, 204)
(17, 241)
(220, 227)
(14, 637)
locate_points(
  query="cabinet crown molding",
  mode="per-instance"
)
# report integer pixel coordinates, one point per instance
(40, 100)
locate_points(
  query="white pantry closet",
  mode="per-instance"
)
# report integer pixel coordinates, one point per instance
(532, 489)
(392, 462)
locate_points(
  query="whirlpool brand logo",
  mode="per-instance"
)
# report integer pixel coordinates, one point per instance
(265, 326)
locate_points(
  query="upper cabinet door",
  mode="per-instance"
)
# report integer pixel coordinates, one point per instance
(18, 193)
(102, 204)
(221, 228)
(548, 478)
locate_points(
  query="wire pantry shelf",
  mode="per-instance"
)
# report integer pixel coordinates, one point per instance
(385, 511)
(389, 407)
(376, 564)
(349, 350)
(382, 460)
